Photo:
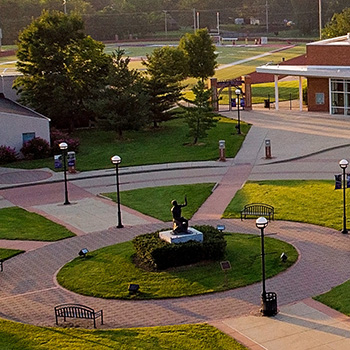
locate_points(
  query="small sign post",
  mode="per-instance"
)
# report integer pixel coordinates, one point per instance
(225, 266)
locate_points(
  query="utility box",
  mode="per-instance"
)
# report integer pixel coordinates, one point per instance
(58, 161)
(268, 149)
(71, 162)
(222, 151)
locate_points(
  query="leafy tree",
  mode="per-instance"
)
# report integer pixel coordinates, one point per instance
(60, 67)
(165, 69)
(121, 103)
(200, 53)
(199, 117)
(339, 25)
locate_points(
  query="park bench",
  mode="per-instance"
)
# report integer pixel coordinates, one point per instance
(258, 209)
(77, 311)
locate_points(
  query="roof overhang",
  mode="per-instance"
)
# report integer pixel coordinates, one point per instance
(341, 72)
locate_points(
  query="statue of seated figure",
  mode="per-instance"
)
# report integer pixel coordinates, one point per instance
(180, 224)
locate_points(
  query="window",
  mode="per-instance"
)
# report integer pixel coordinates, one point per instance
(340, 96)
(27, 136)
(319, 98)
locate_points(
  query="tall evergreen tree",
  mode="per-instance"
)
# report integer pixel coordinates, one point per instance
(166, 68)
(121, 103)
(199, 116)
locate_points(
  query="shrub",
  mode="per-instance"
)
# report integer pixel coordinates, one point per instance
(154, 253)
(7, 154)
(36, 148)
(58, 136)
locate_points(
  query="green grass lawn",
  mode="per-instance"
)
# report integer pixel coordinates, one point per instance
(9, 253)
(337, 298)
(155, 201)
(238, 53)
(17, 223)
(167, 144)
(286, 89)
(294, 200)
(107, 272)
(17, 336)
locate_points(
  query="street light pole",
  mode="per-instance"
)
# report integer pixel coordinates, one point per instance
(261, 223)
(238, 92)
(63, 147)
(116, 160)
(344, 164)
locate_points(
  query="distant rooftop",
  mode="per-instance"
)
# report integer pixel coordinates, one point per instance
(10, 107)
(339, 40)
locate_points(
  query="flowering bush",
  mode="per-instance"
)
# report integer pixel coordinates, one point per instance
(7, 154)
(58, 136)
(36, 148)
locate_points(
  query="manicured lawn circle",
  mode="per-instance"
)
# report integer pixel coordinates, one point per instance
(107, 272)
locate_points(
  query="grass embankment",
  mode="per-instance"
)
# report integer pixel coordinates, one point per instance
(167, 144)
(337, 298)
(294, 200)
(155, 201)
(17, 336)
(17, 223)
(107, 272)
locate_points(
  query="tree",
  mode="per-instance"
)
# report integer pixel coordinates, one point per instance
(122, 102)
(166, 68)
(60, 67)
(199, 117)
(339, 25)
(200, 54)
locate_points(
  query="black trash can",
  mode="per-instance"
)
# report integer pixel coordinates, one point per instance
(267, 103)
(269, 304)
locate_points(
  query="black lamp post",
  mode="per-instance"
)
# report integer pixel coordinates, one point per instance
(344, 164)
(116, 160)
(261, 223)
(268, 300)
(238, 92)
(63, 147)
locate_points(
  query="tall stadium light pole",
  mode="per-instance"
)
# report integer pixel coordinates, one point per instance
(65, 7)
(166, 23)
(218, 22)
(194, 21)
(267, 17)
(320, 17)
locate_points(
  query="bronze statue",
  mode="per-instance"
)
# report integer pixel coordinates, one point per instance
(180, 224)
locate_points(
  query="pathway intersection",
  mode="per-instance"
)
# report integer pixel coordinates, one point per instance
(304, 146)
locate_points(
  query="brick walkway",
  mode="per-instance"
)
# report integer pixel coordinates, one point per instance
(29, 291)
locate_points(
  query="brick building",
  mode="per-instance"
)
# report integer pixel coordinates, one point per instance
(327, 71)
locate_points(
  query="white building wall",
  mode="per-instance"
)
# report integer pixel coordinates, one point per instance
(12, 127)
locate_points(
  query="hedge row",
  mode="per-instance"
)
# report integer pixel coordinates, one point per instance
(153, 252)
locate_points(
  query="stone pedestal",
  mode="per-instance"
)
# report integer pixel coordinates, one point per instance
(191, 235)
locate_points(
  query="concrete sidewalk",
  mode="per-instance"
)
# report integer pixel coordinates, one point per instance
(305, 325)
